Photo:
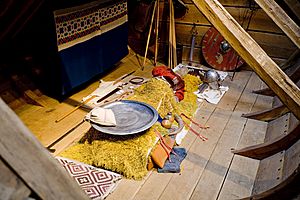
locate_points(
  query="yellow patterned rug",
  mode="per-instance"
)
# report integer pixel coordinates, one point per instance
(128, 155)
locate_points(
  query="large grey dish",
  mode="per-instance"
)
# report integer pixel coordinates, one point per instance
(131, 116)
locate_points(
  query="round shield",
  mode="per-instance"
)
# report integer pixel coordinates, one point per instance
(218, 53)
(131, 117)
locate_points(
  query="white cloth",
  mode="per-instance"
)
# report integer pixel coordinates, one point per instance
(179, 137)
(181, 70)
(102, 116)
(103, 89)
(222, 74)
(212, 96)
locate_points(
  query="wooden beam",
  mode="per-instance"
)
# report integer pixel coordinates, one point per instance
(287, 189)
(271, 147)
(11, 186)
(32, 162)
(285, 23)
(293, 73)
(252, 53)
(269, 114)
(294, 5)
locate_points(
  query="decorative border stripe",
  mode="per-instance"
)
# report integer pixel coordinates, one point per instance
(82, 23)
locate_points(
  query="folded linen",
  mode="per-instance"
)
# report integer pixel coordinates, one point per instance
(211, 95)
(101, 116)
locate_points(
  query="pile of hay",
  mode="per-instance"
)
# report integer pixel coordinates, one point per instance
(128, 155)
(158, 93)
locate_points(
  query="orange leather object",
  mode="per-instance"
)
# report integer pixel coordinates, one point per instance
(160, 153)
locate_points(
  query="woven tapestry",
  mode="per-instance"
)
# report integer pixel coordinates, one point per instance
(96, 183)
(81, 23)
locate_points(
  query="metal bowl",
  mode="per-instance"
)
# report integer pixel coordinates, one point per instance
(211, 76)
(131, 116)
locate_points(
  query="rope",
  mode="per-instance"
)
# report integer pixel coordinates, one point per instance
(203, 138)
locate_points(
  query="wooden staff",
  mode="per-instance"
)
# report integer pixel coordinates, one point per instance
(170, 35)
(149, 34)
(74, 109)
(156, 35)
(173, 37)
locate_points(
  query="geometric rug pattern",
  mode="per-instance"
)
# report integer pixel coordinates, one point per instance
(96, 183)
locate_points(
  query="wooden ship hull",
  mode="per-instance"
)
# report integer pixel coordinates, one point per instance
(253, 147)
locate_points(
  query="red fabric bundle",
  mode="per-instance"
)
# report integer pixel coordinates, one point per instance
(174, 79)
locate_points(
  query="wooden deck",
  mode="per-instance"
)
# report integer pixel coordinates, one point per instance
(210, 170)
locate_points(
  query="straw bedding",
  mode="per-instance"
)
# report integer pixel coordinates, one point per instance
(129, 155)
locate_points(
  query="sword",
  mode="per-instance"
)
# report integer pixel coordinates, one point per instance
(123, 77)
(194, 33)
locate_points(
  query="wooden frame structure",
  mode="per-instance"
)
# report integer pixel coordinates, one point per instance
(290, 68)
(269, 114)
(280, 191)
(285, 23)
(272, 147)
(294, 5)
(279, 143)
(30, 165)
(51, 181)
(252, 53)
(268, 71)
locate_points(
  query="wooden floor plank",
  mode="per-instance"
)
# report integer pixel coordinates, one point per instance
(200, 154)
(127, 189)
(156, 189)
(153, 182)
(240, 178)
(151, 189)
(71, 138)
(197, 159)
(241, 175)
(41, 120)
(211, 182)
(236, 87)
(206, 163)
(276, 169)
(156, 183)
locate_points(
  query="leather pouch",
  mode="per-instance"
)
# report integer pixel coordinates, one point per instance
(160, 153)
